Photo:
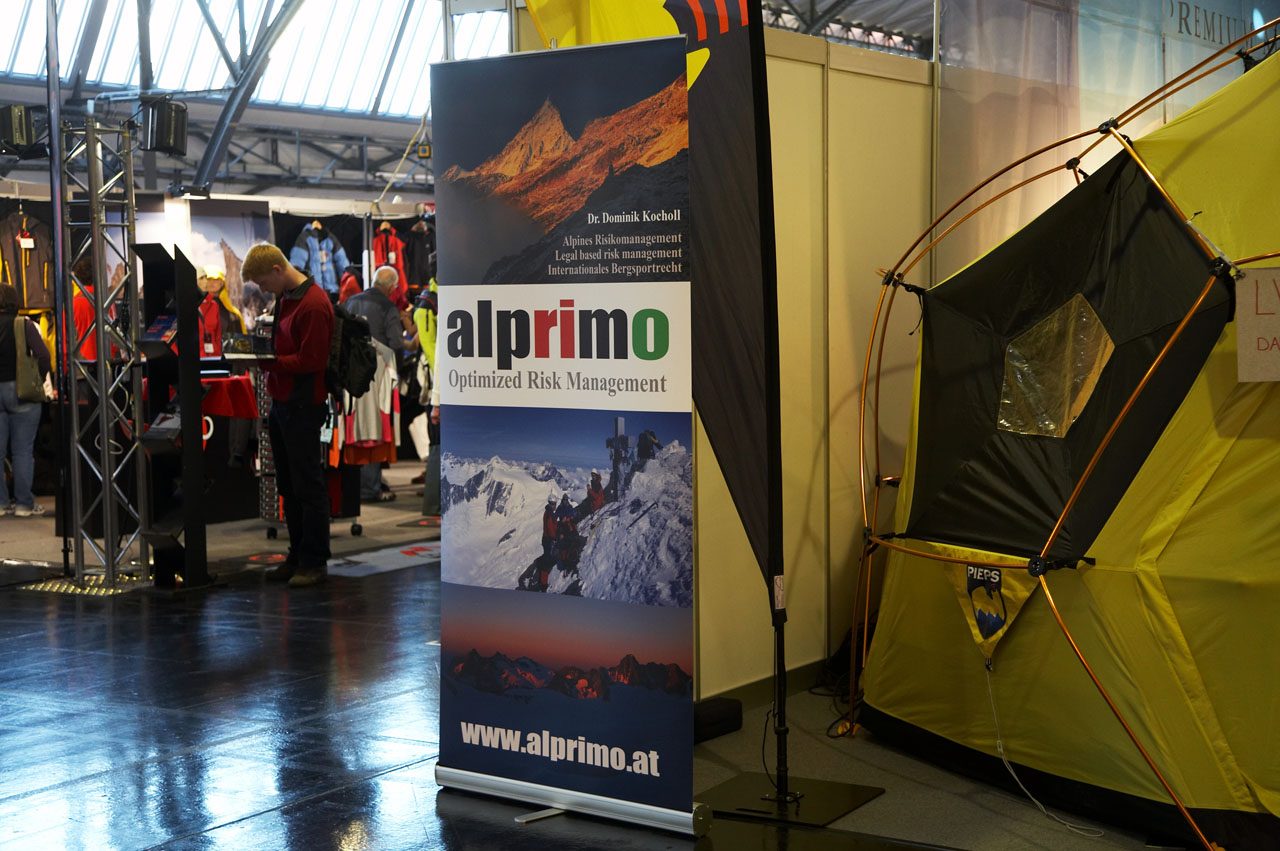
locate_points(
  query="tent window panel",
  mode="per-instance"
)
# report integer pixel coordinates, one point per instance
(1051, 370)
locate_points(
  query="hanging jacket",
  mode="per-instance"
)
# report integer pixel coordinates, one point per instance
(319, 255)
(388, 250)
(419, 246)
(29, 269)
(350, 284)
(425, 318)
(84, 316)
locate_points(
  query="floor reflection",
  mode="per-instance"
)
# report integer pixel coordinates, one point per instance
(209, 720)
(254, 717)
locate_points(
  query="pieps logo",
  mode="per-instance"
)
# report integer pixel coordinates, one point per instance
(569, 332)
(984, 588)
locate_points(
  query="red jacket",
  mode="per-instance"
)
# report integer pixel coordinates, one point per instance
(549, 525)
(302, 334)
(595, 498)
(349, 286)
(388, 250)
(83, 312)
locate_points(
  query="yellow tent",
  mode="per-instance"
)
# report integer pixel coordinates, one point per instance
(1179, 611)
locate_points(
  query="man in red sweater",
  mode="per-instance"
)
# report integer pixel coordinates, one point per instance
(299, 406)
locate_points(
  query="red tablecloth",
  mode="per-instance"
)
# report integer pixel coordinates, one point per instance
(232, 396)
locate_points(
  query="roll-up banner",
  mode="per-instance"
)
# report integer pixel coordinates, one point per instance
(566, 429)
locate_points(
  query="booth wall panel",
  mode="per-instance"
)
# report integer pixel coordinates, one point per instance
(880, 181)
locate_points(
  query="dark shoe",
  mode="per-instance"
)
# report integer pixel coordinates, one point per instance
(307, 578)
(419, 479)
(281, 572)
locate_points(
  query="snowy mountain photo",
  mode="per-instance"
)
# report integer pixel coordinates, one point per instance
(633, 543)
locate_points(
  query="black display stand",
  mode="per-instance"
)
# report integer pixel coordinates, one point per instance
(175, 526)
(782, 798)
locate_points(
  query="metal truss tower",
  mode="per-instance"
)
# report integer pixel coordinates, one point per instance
(100, 398)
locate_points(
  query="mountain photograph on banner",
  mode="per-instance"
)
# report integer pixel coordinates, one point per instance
(582, 503)
(540, 693)
(553, 187)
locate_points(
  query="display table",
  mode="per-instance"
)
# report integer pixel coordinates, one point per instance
(226, 396)
(230, 396)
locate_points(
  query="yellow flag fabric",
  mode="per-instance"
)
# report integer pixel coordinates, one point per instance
(990, 597)
(1179, 615)
(577, 22)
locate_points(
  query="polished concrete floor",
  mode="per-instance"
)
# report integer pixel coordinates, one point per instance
(256, 717)
(250, 717)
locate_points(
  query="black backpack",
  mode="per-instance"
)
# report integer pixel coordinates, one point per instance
(352, 359)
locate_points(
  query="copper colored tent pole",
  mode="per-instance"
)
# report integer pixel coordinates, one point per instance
(1257, 258)
(1037, 152)
(911, 551)
(924, 252)
(1191, 82)
(1057, 529)
(862, 410)
(1131, 114)
(1124, 413)
(1115, 710)
(875, 423)
(1164, 93)
(1143, 105)
(1173, 205)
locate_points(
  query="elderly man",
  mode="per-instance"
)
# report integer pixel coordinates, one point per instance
(377, 306)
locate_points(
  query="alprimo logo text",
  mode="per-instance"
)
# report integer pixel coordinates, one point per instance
(512, 335)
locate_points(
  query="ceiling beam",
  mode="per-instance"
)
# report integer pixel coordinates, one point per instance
(232, 65)
(88, 43)
(243, 91)
(821, 21)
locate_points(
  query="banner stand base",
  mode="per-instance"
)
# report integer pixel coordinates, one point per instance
(694, 823)
(530, 818)
(749, 796)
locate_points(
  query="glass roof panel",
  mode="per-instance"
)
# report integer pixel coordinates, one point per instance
(423, 44)
(334, 55)
(480, 34)
(28, 52)
(351, 89)
(120, 55)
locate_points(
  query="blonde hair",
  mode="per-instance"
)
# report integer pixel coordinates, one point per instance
(260, 259)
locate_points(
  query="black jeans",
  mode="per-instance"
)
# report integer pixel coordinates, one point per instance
(300, 480)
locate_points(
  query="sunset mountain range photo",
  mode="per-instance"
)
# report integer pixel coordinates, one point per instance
(548, 175)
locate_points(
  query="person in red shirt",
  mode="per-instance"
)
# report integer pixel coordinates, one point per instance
(301, 334)
(217, 315)
(82, 310)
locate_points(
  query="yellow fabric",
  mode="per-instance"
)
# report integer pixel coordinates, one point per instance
(990, 598)
(579, 22)
(425, 321)
(1219, 160)
(224, 298)
(1180, 616)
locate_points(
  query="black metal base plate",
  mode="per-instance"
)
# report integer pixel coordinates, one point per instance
(821, 801)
